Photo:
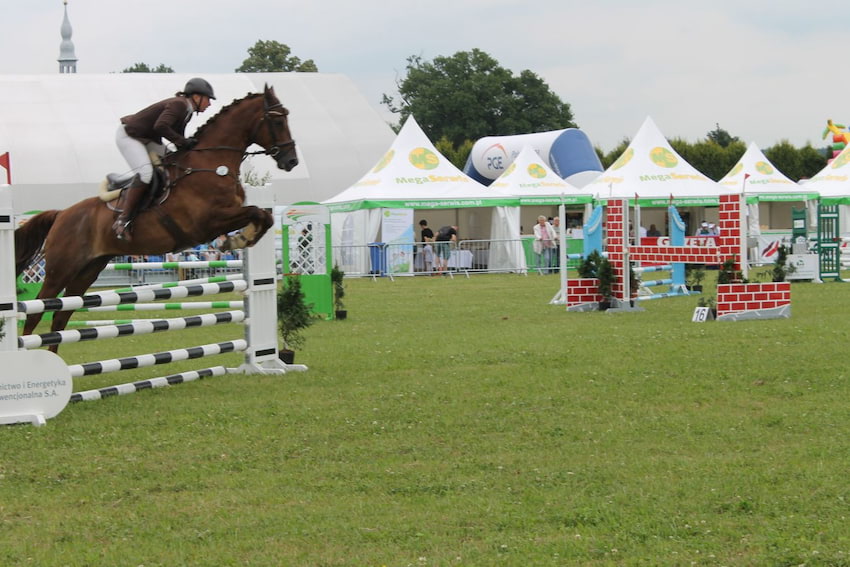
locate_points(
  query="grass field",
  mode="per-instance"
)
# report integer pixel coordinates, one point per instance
(458, 422)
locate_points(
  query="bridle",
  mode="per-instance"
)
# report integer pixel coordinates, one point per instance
(268, 113)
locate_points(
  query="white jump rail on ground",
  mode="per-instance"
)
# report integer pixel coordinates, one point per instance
(260, 315)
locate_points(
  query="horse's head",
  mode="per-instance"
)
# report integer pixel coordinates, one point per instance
(272, 132)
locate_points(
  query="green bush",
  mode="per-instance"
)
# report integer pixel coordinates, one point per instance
(337, 276)
(293, 313)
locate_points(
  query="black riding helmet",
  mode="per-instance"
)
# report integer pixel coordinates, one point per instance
(199, 86)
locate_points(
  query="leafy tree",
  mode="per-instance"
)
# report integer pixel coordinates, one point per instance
(274, 57)
(145, 68)
(456, 155)
(708, 157)
(786, 158)
(721, 137)
(812, 161)
(468, 96)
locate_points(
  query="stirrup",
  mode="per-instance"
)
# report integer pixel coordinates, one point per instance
(122, 230)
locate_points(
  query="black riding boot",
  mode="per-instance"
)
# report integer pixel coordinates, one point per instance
(135, 195)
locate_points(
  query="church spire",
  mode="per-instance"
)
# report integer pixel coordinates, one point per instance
(67, 59)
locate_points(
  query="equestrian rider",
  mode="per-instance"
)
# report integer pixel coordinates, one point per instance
(142, 132)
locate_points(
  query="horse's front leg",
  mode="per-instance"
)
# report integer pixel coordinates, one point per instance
(252, 223)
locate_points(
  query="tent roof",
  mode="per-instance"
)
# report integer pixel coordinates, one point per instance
(763, 181)
(60, 130)
(833, 181)
(651, 169)
(413, 174)
(535, 183)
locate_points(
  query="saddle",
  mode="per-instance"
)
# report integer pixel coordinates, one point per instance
(112, 189)
(113, 186)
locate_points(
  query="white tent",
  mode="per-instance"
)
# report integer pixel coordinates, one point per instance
(414, 175)
(651, 169)
(60, 130)
(832, 182)
(761, 182)
(534, 183)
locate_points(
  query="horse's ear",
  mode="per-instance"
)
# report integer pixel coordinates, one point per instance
(268, 90)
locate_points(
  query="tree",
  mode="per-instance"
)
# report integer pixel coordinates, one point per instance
(812, 161)
(274, 57)
(457, 156)
(145, 68)
(721, 137)
(786, 159)
(468, 96)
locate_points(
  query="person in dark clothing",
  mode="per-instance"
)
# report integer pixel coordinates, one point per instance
(425, 262)
(442, 246)
(142, 132)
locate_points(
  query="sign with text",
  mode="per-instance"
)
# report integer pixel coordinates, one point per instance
(702, 314)
(34, 386)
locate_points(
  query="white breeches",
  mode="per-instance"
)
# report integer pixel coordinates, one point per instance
(137, 154)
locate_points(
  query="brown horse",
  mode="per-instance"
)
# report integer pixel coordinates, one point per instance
(206, 200)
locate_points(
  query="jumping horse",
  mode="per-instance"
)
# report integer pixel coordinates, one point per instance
(205, 200)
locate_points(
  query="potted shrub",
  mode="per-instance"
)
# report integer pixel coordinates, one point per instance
(293, 316)
(694, 274)
(605, 274)
(728, 274)
(589, 266)
(780, 266)
(337, 277)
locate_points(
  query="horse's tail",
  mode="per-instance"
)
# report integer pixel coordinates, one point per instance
(30, 237)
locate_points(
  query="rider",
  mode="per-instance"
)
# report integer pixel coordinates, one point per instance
(143, 131)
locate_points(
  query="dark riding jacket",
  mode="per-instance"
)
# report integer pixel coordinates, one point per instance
(164, 119)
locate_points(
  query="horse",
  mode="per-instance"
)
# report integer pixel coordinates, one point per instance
(205, 200)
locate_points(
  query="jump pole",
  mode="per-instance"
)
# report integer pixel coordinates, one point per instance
(8, 291)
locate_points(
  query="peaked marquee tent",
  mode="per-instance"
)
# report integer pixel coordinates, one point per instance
(532, 182)
(833, 185)
(832, 182)
(651, 169)
(412, 174)
(762, 183)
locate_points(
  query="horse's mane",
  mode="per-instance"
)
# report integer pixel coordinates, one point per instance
(200, 131)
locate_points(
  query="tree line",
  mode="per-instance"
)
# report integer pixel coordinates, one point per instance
(460, 98)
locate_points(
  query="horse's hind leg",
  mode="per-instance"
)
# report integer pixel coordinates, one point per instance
(78, 286)
(51, 287)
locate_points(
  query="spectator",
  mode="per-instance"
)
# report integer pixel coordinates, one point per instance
(425, 254)
(544, 243)
(443, 246)
(556, 252)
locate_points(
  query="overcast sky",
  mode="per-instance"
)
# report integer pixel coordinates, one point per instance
(764, 70)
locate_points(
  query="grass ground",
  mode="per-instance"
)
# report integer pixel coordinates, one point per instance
(459, 422)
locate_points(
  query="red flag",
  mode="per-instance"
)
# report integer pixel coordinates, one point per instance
(746, 176)
(4, 161)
